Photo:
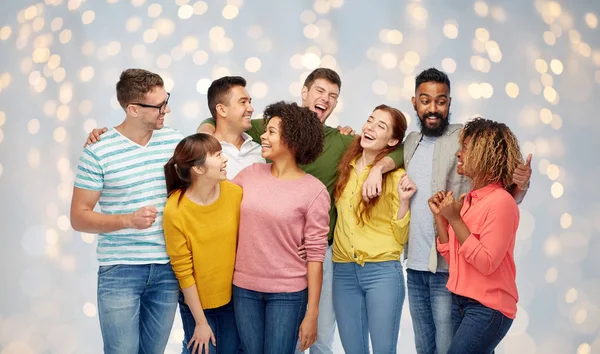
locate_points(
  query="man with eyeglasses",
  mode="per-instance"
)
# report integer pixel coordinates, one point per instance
(123, 173)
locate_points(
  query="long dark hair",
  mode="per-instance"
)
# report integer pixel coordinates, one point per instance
(191, 151)
(355, 150)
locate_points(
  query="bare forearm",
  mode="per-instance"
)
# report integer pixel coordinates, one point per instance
(315, 280)
(442, 229)
(92, 222)
(403, 209)
(461, 230)
(192, 299)
(519, 194)
(385, 165)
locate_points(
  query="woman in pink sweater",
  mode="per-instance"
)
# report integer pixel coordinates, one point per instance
(276, 293)
(477, 237)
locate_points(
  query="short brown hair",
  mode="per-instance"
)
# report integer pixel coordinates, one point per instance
(323, 73)
(134, 84)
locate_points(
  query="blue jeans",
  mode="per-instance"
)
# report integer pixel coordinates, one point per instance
(221, 321)
(368, 300)
(430, 305)
(268, 323)
(136, 307)
(326, 324)
(477, 328)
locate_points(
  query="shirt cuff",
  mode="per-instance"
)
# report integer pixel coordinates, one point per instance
(402, 222)
(443, 247)
(187, 282)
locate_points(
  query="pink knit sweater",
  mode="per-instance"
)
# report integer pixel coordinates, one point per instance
(276, 217)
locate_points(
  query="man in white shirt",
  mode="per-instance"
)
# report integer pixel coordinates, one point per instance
(231, 107)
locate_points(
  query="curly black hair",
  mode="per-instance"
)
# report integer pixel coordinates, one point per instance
(301, 131)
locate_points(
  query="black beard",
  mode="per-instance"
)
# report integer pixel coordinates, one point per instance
(434, 132)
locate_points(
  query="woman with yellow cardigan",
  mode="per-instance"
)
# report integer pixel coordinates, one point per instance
(202, 251)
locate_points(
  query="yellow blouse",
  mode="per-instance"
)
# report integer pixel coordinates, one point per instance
(380, 238)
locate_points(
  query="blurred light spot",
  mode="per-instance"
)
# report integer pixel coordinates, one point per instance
(138, 3)
(552, 247)
(389, 60)
(185, 12)
(581, 316)
(86, 74)
(419, 13)
(379, 87)
(253, 64)
(38, 24)
(328, 61)
(60, 134)
(535, 87)
(34, 77)
(449, 65)
(163, 61)
(202, 85)
(584, 348)
(33, 158)
(200, 57)
(66, 93)
(482, 35)
(481, 8)
(295, 88)
(1, 169)
(512, 90)
(574, 37)
(27, 65)
(154, 10)
(150, 35)
(2, 118)
(265, 45)
(40, 85)
(191, 109)
(585, 49)
(133, 24)
(259, 89)
(5, 33)
(85, 107)
(549, 38)
(51, 237)
(321, 7)
(566, 220)
(113, 48)
(412, 58)
(556, 66)
(308, 17)
(164, 26)
(556, 123)
(220, 71)
(65, 36)
(89, 125)
(88, 17)
(551, 275)
(486, 90)
(230, 12)
(557, 190)
(541, 66)
(56, 24)
(89, 309)
(311, 31)
(591, 20)
(68, 262)
(546, 116)
(33, 126)
(49, 108)
(216, 33)
(394, 37)
(41, 55)
(200, 7)
(87, 238)
(475, 90)
(450, 30)
(311, 61)
(255, 31)
(498, 14)
(550, 94)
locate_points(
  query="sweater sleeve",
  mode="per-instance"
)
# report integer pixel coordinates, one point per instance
(317, 227)
(177, 248)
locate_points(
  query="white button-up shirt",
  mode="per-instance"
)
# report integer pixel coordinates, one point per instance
(248, 154)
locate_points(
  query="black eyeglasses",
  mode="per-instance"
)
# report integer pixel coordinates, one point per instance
(161, 109)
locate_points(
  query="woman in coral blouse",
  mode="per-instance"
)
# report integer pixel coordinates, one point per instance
(477, 236)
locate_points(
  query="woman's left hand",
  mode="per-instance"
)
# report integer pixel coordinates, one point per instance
(450, 208)
(308, 332)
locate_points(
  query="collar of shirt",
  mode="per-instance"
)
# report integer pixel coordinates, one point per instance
(476, 195)
(245, 136)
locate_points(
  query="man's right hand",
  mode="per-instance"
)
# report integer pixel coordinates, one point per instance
(142, 218)
(95, 136)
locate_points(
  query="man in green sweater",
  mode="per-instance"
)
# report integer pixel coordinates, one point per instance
(320, 94)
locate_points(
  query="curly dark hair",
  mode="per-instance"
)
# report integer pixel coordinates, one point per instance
(301, 130)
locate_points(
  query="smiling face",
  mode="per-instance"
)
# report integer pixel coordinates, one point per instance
(377, 132)
(214, 167)
(272, 145)
(432, 105)
(238, 111)
(321, 98)
(150, 117)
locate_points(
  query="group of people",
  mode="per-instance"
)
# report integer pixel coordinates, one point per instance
(269, 232)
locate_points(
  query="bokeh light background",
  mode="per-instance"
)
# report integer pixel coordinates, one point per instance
(532, 64)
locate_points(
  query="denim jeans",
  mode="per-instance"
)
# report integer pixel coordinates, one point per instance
(477, 328)
(368, 300)
(268, 323)
(326, 329)
(221, 321)
(430, 305)
(136, 307)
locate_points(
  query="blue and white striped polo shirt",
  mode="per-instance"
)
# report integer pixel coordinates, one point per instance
(130, 176)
